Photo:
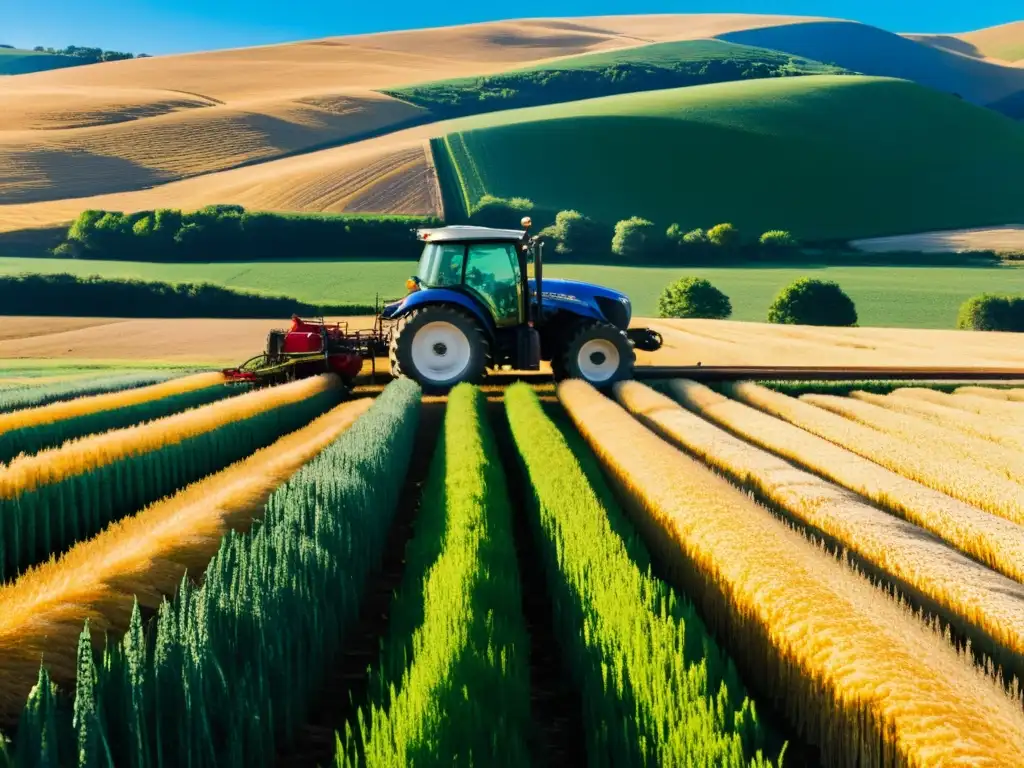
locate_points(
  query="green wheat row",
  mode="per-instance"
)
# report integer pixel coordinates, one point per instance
(654, 687)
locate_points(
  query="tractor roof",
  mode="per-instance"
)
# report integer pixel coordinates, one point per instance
(462, 233)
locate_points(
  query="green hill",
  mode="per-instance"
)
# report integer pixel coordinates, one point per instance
(645, 68)
(826, 157)
(15, 61)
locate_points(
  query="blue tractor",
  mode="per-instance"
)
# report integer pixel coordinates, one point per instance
(473, 306)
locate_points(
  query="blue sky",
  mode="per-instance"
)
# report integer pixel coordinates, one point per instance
(178, 26)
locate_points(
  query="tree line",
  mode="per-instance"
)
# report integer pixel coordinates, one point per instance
(86, 54)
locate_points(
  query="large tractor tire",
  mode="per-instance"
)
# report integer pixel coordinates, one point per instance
(438, 347)
(598, 353)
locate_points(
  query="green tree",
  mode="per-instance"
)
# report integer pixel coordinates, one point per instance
(725, 236)
(813, 302)
(992, 312)
(778, 241)
(575, 233)
(634, 237)
(499, 212)
(693, 297)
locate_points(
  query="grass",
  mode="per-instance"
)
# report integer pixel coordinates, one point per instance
(899, 297)
(848, 151)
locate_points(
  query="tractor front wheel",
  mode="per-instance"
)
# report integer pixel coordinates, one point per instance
(438, 347)
(598, 353)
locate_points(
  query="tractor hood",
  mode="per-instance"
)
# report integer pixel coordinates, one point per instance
(586, 299)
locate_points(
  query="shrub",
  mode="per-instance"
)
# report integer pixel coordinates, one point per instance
(693, 297)
(577, 234)
(778, 240)
(813, 302)
(500, 212)
(992, 312)
(725, 236)
(633, 237)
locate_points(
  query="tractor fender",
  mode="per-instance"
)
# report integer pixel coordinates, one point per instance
(428, 296)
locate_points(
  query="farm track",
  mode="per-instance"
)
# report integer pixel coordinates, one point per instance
(346, 684)
(554, 703)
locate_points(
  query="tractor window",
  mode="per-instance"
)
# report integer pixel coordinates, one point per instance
(492, 273)
(441, 265)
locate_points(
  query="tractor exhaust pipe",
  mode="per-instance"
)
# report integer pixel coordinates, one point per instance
(538, 266)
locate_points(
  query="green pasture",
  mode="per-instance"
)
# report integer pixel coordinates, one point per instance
(908, 297)
(823, 156)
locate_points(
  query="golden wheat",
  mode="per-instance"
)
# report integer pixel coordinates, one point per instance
(967, 422)
(993, 540)
(917, 462)
(948, 444)
(87, 453)
(990, 393)
(82, 406)
(967, 593)
(858, 673)
(1007, 410)
(143, 556)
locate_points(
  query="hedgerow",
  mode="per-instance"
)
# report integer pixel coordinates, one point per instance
(231, 233)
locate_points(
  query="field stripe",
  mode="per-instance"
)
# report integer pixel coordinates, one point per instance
(36, 429)
(971, 424)
(83, 455)
(81, 406)
(453, 683)
(981, 489)
(26, 395)
(1012, 395)
(1007, 409)
(951, 445)
(613, 615)
(985, 605)
(79, 488)
(992, 540)
(141, 557)
(855, 672)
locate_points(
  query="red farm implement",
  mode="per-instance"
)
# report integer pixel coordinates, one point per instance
(310, 347)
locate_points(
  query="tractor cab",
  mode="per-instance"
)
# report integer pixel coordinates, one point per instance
(472, 305)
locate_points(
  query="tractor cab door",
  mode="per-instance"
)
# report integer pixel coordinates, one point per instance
(492, 276)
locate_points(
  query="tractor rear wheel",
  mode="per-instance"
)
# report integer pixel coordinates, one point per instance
(438, 347)
(598, 353)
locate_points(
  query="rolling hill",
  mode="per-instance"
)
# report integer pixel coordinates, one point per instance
(646, 68)
(823, 156)
(16, 61)
(1003, 43)
(872, 51)
(133, 125)
(305, 126)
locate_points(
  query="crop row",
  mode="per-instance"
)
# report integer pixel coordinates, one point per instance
(251, 580)
(227, 669)
(54, 498)
(984, 604)
(857, 674)
(452, 686)
(966, 481)
(655, 688)
(31, 430)
(42, 394)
